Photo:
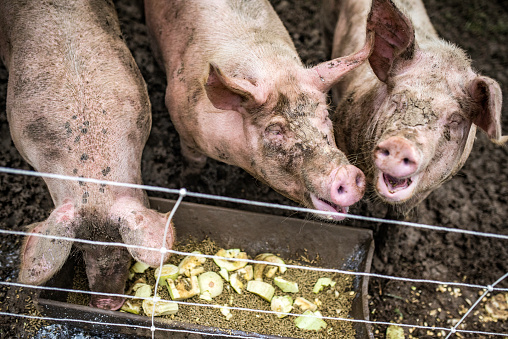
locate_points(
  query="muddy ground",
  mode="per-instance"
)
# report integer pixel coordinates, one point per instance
(476, 199)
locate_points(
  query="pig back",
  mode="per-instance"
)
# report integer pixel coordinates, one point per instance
(245, 39)
(188, 34)
(76, 102)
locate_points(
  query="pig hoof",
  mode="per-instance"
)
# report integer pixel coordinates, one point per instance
(107, 303)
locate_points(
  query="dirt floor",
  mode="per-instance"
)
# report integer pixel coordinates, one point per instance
(476, 199)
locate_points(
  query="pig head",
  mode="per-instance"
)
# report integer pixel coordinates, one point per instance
(238, 92)
(78, 106)
(410, 115)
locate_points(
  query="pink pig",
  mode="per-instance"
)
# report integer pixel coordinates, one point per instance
(77, 105)
(409, 116)
(238, 92)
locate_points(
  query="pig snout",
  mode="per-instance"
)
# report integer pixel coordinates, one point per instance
(347, 187)
(109, 303)
(107, 270)
(397, 157)
(398, 162)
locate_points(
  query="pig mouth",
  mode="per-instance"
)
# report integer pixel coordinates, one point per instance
(325, 205)
(395, 189)
(394, 184)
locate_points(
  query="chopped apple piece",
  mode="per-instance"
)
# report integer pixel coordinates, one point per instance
(310, 321)
(230, 265)
(261, 288)
(286, 285)
(283, 304)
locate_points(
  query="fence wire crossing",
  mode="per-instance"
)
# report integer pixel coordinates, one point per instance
(182, 193)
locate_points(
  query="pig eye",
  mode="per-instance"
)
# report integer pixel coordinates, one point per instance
(274, 134)
(455, 120)
(274, 130)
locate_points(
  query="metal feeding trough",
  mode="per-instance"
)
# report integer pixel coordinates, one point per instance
(339, 247)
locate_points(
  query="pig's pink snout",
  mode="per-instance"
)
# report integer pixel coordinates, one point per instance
(348, 185)
(107, 303)
(397, 157)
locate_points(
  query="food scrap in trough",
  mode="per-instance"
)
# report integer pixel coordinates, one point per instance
(334, 301)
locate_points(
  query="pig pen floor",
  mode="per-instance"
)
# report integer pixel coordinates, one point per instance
(476, 199)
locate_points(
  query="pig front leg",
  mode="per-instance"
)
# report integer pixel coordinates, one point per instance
(194, 162)
(107, 269)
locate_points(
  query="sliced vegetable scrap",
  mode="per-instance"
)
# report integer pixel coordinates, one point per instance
(191, 264)
(236, 283)
(246, 273)
(310, 321)
(304, 304)
(183, 288)
(226, 312)
(264, 290)
(142, 290)
(272, 258)
(139, 267)
(161, 308)
(130, 306)
(230, 265)
(321, 283)
(168, 272)
(283, 304)
(224, 273)
(210, 285)
(286, 285)
(394, 332)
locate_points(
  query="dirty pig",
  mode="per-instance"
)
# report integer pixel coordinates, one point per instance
(238, 92)
(78, 106)
(409, 115)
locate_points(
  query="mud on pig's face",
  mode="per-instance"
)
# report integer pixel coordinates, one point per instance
(287, 135)
(296, 154)
(425, 131)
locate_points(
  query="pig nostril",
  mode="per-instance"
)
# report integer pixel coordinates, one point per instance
(385, 152)
(359, 181)
(340, 190)
(406, 161)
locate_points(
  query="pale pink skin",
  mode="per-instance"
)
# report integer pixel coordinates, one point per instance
(409, 116)
(238, 92)
(78, 106)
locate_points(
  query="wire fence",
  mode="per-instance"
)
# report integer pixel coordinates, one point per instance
(484, 290)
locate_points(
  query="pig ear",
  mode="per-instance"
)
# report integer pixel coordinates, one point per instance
(330, 72)
(229, 93)
(144, 227)
(43, 257)
(486, 93)
(395, 37)
(468, 146)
